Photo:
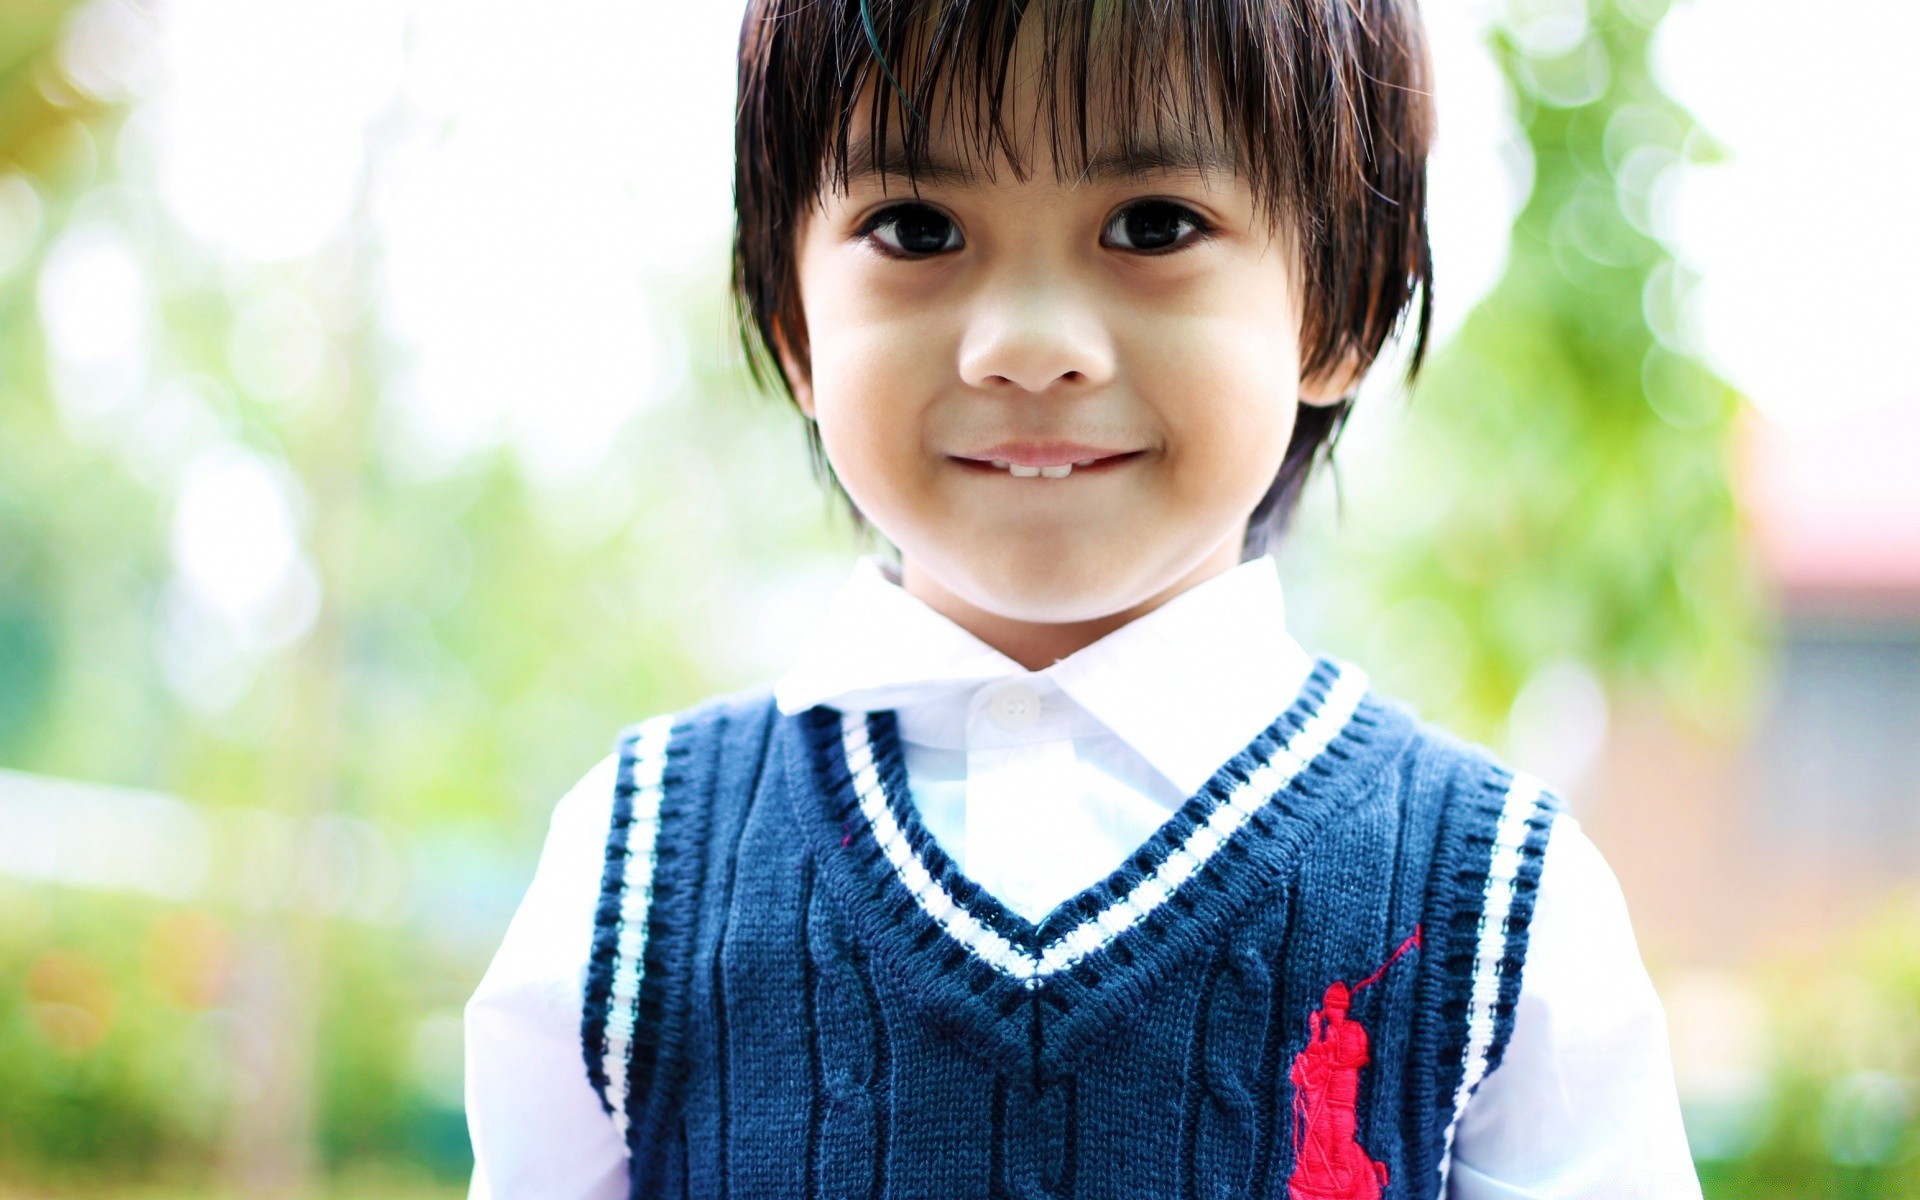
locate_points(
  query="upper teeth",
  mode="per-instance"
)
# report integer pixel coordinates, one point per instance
(1059, 472)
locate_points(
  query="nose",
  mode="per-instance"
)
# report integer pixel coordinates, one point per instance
(1034, 334)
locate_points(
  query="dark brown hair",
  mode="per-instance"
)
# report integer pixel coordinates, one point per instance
(1325, 106)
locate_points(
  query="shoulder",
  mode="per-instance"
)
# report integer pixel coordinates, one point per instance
(584, 805)
(660, 762)
(588, 809)
(1581, 917)
(649, 743)
(693, 722)
(1457, 773)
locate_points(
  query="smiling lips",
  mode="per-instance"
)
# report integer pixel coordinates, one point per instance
(1050, 460)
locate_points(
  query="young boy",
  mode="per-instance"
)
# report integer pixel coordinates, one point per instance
(1055, 866)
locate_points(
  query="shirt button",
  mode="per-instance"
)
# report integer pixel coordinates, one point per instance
(1014, 706)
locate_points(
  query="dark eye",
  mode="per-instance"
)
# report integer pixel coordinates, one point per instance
(1153, 225)
(913, 230)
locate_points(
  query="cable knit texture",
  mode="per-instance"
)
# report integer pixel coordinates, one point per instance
(822, 1005)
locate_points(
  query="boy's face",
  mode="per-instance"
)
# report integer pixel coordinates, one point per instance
(1144, 317)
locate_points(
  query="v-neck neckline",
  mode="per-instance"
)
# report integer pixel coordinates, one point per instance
(984, 963)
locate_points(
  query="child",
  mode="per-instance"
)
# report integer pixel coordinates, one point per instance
(1055, 866)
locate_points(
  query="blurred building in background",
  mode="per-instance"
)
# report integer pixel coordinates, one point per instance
(1796, 832)
(1774, 876)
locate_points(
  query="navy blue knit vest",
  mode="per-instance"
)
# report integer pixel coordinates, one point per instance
(1290, 990)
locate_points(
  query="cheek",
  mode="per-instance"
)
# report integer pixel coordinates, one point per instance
(869, 382)
(1226, 390)
(862, 381)
(870, 358)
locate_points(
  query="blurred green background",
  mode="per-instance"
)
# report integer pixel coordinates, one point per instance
(341, 528)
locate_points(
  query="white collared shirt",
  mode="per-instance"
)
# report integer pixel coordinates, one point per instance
(1038, 784)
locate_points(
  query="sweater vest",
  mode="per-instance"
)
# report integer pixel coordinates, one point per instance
(1291, 989)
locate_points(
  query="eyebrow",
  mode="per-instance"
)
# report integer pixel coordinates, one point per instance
(1116, 165)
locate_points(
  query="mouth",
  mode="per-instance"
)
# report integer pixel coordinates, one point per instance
(1095, 465)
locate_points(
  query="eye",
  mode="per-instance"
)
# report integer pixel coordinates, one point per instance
(912, 231)
(1154, 226)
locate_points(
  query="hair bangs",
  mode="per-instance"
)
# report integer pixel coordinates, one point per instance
(1112, 80)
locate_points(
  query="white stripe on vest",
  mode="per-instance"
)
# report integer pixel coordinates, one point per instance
(649, 760)
(1091, 934)
(1524, 795)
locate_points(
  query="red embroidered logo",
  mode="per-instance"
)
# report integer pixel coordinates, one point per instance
(1328, 1161)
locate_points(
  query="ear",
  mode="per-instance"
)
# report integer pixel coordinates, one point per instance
(799, 379)
(1333, 384)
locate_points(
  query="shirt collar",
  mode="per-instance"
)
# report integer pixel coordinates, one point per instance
(1187, 685)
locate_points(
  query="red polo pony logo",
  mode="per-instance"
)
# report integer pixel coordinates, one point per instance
(1328, 1161)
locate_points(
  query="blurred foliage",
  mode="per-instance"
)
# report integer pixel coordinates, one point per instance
(38, 135)
(481, 635)
(104, 1055)
(1837, 1113)
(43, 119)
(1558, 489)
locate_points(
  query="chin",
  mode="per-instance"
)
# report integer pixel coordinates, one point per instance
(1046, 585)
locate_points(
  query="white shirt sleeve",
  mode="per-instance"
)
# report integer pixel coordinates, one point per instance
(1583, 1105)
(537, 1127)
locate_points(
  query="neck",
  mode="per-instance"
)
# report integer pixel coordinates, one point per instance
(1037, 645)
